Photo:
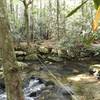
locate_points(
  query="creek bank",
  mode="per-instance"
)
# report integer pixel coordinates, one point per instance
(51, 52)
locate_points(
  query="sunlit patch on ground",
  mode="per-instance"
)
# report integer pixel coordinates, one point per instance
(82, 77)
(86, 86)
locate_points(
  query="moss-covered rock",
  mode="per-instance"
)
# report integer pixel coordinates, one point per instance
(54, 51)
(21, 65)
(55, 58)
(43, 50)
(31, 57)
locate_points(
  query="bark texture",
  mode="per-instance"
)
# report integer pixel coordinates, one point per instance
(11, 73)
(26, 14)
(58, 16)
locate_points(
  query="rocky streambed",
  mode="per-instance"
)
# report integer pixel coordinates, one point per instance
(38, 89)
(39, 85)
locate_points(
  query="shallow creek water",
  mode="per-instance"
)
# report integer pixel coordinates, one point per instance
(73, 75)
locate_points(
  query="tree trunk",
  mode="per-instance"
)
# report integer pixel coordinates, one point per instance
(64, 21)
(82, 16)
(11, 6)
(11, 73)
(50, 19)
(32, 22)
(12, 16)
(58, 15)
(27, 25)
(26, 15)
(41, 33)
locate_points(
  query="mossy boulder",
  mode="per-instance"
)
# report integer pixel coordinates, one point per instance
(21, 65)
(62, 53)
(55, 58)
(54, 51)
(44, 50)
(31, 57)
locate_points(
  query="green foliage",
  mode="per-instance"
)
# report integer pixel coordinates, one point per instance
(71, 44)
(87, 40)
(16, 1)
(77, 8)
(96, 3)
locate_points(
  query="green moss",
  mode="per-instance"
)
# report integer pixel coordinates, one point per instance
(31, 57)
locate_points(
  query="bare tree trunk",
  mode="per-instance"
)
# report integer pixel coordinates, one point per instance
(50, 18)
(11, 6)
(12, 17)
(82, 16)
(58, 16)
(32, 23)
(41, 34)
(11, 73)
(64, 21)
(27, 24)
(26, 5)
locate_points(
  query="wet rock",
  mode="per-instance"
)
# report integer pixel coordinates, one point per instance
(34, 94)
(95, 71)
(2, 85)
(62, 53)
(97, 74)
(91, 71)
(34, 88)
(48, 83)
(55, 59)
(20, 55)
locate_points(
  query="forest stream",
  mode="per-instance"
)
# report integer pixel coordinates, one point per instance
(49, 50)
(38, 84)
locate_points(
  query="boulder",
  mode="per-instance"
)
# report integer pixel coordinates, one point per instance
(20, 55)
(95, 70)
(43, 50)
(55, 58)
(31, 57)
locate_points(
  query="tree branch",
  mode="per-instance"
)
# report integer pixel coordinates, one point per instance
(30, 2)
